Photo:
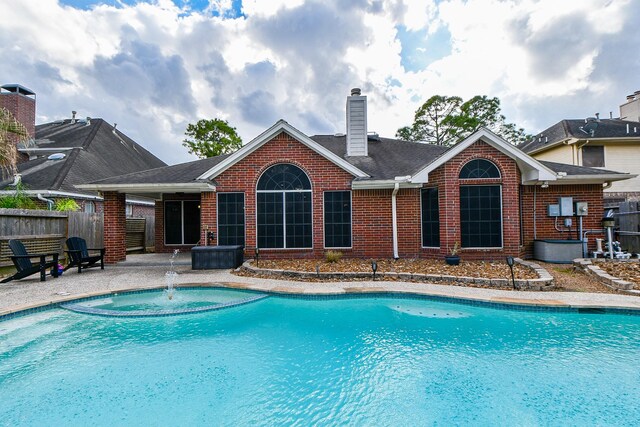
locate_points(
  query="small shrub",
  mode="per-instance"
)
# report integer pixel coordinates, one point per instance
(67, 205)
(333, 256)
(18, 200)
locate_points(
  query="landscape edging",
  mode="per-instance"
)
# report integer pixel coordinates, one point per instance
(544, 281)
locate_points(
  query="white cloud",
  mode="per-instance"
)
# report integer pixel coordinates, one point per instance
(154, 67)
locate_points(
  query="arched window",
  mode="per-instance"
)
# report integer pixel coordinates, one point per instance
(480, 207)
(284, 208)
(479, 168)
(89, 207)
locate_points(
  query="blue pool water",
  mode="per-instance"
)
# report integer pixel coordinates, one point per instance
(282, 361)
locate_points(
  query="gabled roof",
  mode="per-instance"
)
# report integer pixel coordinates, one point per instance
(92, 150)
(388, 160)
(267, 135)
(580, 130)
(531, 169)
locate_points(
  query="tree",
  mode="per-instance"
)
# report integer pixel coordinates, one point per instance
(444, 120)
(8, 146)
(209, 138)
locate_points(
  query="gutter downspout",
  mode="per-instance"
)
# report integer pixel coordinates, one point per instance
(48, 201)
(394, 220)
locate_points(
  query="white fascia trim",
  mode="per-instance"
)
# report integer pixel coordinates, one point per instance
(28, 150)
(592, 179)
(53, 193)
(531, 168)
(267, 135)
(386, 184)
(151, 188)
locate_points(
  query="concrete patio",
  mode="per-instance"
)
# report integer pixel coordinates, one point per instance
(148, 271)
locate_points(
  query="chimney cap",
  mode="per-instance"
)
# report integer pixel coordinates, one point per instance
(636, 93)
(631, 97)
(19, 89)
(355, 91)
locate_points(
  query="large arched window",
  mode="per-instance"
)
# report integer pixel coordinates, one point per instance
(480, 206)
(284, 208)
(479, 168)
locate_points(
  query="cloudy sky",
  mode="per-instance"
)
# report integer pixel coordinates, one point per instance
(154, 66)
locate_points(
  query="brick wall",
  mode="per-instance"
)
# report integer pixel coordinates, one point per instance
(371, 209)
(446, 178)
(115, 229)
(23, 109)
(545, 226)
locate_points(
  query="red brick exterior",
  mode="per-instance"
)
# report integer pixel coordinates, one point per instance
(115, 229)
(545, 226)
(372, 234)
(23, 109)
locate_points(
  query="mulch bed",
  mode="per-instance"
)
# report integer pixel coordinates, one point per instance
(489, 270)
(625, 270)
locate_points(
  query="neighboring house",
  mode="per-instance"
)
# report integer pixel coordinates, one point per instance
(600, 143)
(291, 195)
(73, 151)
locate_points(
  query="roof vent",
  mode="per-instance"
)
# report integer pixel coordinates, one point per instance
(73, 116)
(56, 156)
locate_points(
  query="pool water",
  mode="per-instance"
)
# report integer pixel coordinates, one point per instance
(179, 299)
(358, 361)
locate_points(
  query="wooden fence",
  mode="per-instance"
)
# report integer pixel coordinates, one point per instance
(45, 231)
(628, 222)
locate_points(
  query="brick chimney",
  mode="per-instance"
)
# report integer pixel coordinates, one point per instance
(357, 124)
(21, 102)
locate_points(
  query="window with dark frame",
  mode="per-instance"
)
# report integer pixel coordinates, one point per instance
(479, 168)
(181, 222)
(231, 219)
(337, 219)
(430, 218)
(593, 156)
(480, 216)
(284, 216)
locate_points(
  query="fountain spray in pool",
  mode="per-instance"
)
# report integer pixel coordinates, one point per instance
(171, 276)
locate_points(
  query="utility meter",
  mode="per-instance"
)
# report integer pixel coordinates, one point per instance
(582, 209)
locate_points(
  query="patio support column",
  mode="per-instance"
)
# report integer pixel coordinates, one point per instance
(115, 227)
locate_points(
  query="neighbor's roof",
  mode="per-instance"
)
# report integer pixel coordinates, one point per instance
(388, 158)
(581, 129)
(92, 150)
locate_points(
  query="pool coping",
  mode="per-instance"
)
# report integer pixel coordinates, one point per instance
(493, 301)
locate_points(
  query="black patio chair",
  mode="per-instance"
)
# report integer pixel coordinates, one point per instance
(79, 254)
(22, 261)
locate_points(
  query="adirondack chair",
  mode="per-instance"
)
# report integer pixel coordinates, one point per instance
(22, 261)
(79, 254)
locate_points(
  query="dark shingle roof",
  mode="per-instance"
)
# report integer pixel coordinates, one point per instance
(581, 129)
(388, 158)
(180, 173)
(96, 153)
(577, 170)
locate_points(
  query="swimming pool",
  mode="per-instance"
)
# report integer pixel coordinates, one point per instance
(295, 361)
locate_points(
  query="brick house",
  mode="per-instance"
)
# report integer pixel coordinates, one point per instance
(291, 195)
(72, 151)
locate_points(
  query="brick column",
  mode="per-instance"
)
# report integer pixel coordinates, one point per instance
(208, 220)
(115, 227)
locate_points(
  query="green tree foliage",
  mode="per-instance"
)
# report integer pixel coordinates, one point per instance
(444, 120)
(8, 149)
(18, 200)
(66, 205)
(209, 138)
